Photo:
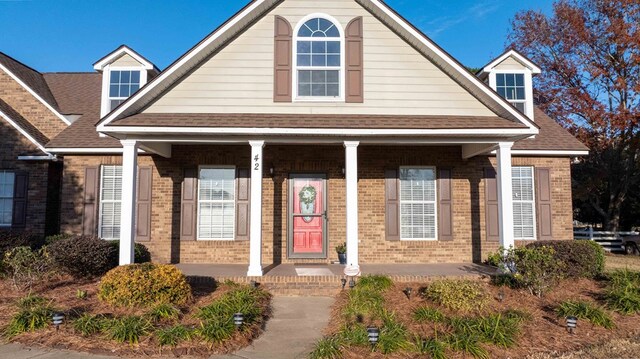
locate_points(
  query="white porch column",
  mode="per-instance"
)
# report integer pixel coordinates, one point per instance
(351, 178)
(255, 225)
(505, 194)
(128, 209)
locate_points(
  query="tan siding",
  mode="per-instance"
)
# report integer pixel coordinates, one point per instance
(397, 79)
(126, 61)
(510, 64)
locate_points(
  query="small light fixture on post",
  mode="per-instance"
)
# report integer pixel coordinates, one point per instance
(352, 283)
(344, 282)
(373, 334)
(253, 284)
(572, 323)
(500, 295)
(407, 291)
(238, 319)
(57, 318)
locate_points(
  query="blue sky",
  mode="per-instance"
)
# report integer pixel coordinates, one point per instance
(70, 35)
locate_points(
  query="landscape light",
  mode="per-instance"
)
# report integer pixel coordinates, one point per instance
(58, 318)
(352, 283)
(373, 334)
(572, 323)
(407, 291)
(501, 295)
(238, 319)
(344, 282)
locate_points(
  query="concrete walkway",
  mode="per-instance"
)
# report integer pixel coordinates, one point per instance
(295, 326)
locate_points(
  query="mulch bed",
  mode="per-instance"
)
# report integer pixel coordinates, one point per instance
(544, 333)
(62, 293)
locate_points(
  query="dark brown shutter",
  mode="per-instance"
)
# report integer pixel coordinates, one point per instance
(189, 204)
(20, 193)
(143, 205)
(242, 204)
(445, 210)
(91, 201)
(392, 205)
(491, 204)
(543, 200)
(282, 91)
(354, 62)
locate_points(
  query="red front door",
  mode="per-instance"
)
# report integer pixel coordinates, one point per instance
(307, 195)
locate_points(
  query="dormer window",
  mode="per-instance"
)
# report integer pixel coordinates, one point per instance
(319, 59)
(511, 87)
(122, 84)
(511, 76)
(124, 72)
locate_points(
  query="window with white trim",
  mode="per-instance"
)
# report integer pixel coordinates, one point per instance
(122, 84)
(318, 56)
(110, 202)
(511, 86)
(7, 183)
(216, 203)
(524, 216)
(418, 203)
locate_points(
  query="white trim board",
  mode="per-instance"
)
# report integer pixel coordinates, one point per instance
(518, 57)
(24, 133)
(34, 94)
(119, 52)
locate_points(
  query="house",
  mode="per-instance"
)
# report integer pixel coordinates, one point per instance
(298, 125)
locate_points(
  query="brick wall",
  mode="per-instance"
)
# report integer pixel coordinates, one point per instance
(12, 145)
(467, 245)
(29, 107)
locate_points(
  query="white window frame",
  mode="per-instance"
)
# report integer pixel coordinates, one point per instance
(105, 106)
(435, 203)
(528, 87)
(235, 195)
(341, 68)
(533, 205)
(4, 172)
(102, 201)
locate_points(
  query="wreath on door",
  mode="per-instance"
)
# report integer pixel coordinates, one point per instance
(307, 197)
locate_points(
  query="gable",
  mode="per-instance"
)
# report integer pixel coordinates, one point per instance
(510, 64)
(126, 61)
(397, 78)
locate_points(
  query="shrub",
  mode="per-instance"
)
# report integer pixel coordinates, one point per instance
(327, 348)
(216, 331)
(580, 259)
(26, 267)
(172, 336)
(378, 283)
(363, 302)
(144, 285)
(354, 334)
(393, 335)
(427, 314)
(128, 329)
(536, 268)
(88, 324)
(13, 239)
(495, 258)
(623, 291)
(83, 256)
(56, 237)
(141, 253)
(163, 311)
(34, 313)
(585, 310)
(244, 299)
(433, 347)
(468, 344)
(463, 295)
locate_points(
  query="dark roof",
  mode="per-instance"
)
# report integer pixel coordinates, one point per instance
(552, 136)
(314, 121)
(23, 123)
(32, 78)
(79, 94)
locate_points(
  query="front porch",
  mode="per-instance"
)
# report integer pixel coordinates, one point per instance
(321, 280)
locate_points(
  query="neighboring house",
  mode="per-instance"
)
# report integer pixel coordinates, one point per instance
(298, 125)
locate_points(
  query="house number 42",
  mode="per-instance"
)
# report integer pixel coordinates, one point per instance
(256, 163)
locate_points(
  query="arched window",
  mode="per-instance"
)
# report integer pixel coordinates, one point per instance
(319, 59)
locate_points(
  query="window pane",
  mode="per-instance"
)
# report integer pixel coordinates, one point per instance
(114, 91)
(519, 93)
(304, 47)
(305, 31)
(216, 203)
(115, 77)
(417, 203)
(333, 47)
(510, 79)
(7, 181)
(318, 90)
(332, 76)
(500, 79)
(519, 79)
(124, 91)
(318, 76)
(125, 76)
(134, 88)
(333, 90)
(319, 60)
(135, 77)
(110, 202)
(333, 60)
(115, 103)
(520, 106)
(319, 47)
(304, 76)
(304, 60)
(523, 202)
(304, 90)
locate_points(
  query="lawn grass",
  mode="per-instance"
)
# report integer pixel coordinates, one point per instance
(622, 261)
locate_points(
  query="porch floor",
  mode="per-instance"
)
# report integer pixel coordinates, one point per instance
(306, 270)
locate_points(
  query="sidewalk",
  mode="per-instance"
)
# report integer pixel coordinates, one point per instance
(297, 323)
